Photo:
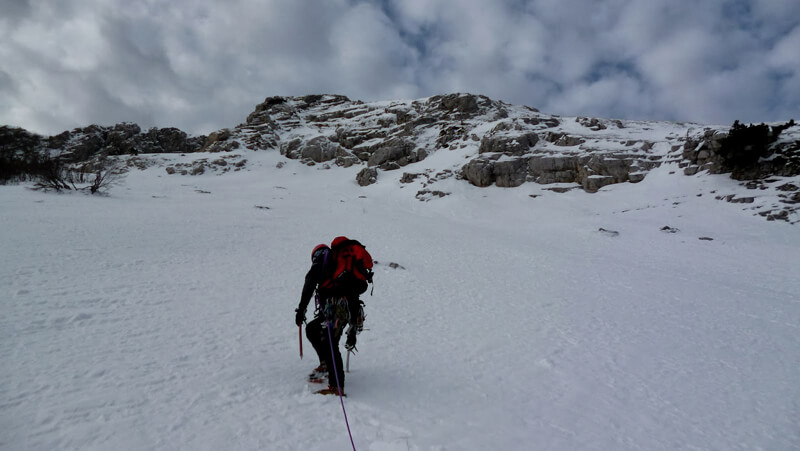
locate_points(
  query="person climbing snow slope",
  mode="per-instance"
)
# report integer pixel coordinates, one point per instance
(339, 273)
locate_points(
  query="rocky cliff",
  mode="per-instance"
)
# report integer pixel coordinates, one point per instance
(486, 142)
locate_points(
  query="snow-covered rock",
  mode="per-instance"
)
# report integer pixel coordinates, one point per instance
(482, 141)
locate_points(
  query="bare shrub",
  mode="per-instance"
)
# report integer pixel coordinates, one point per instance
(54, 174)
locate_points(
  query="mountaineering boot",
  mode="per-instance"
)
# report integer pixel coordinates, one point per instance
(319, 375)
(330, 391)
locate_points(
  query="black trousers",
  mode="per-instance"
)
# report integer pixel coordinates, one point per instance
(317, 334)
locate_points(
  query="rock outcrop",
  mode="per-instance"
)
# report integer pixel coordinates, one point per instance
(485, 142)
(82, 144)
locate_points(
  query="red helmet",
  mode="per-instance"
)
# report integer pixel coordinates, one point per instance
(338, 240)
(317, 248)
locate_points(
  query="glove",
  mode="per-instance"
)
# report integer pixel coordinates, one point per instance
(299, 316)
(350, 344)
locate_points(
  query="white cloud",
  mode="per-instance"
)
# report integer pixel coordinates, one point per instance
(202, 65)
(368, 53)
(785, 55)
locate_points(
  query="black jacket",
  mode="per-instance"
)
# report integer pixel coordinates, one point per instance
(320, 271)
(315, 276)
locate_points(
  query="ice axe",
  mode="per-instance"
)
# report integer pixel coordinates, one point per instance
(300, 335)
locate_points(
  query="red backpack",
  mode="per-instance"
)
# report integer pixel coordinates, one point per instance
(351, 267)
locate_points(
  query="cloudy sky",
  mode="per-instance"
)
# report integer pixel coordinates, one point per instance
(202, 65)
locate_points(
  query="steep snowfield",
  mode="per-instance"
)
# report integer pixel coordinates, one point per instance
(161, 316)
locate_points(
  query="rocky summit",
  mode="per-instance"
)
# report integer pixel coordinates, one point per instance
(482, 141)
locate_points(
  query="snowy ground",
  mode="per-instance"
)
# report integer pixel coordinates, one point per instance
(161, 316)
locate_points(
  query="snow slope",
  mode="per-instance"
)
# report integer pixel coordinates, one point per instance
(161, 316)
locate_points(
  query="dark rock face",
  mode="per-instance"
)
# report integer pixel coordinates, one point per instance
(554, 169)
(18, 153)
(171, 140)
(81, 144)
(27, 155)
(457, 103)
(367, 176)
(319, 149)
(479, 172)
(510, 173)
(742, 155)
(396, 150)
(17, 140)
(508, 145)
(590, 172)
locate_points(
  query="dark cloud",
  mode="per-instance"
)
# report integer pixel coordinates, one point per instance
(202, 65)
(14, 10)
(6, 82)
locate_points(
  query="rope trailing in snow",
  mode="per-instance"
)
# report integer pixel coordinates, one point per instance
(338, 386)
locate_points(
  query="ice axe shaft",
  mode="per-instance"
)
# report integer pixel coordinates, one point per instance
(300, 336)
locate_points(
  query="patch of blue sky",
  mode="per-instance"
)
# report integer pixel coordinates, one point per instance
(606, 69)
